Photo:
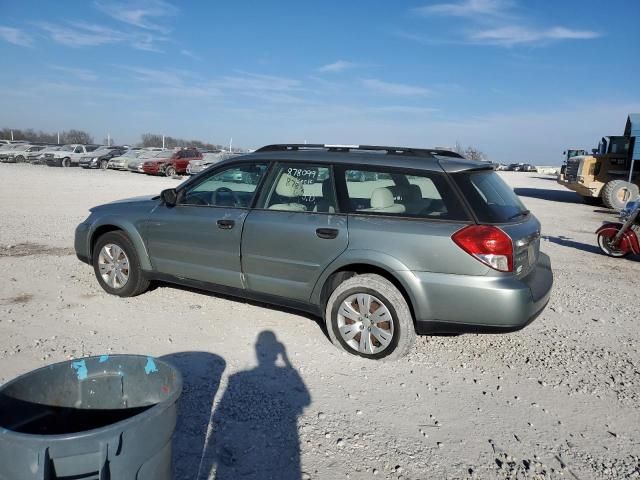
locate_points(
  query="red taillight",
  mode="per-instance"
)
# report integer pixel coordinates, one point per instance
(488, 244)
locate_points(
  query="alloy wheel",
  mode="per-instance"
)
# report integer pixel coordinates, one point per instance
(113, 265)
(365, 323)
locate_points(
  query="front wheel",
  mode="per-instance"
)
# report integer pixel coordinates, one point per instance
(170, 171)
(104, 164)
(117, 266)
(65, 162)
(604, 242)
(366, 315)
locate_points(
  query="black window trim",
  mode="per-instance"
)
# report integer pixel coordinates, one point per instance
(343, 199)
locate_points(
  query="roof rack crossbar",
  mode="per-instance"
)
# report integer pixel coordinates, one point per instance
(419, 152)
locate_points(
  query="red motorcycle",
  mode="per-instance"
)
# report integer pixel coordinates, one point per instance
(621, 239)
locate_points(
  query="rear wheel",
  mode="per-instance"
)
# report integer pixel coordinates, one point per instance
(366, 315)
(117, 266)
(19, 159)
(616, 193)
(604, 242)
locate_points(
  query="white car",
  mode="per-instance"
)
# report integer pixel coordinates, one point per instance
(22, 152)
(69, 155)
(122, 162)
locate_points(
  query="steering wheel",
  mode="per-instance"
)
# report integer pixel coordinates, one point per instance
(236, 201)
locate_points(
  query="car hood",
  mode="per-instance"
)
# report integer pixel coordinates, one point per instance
(150, 200)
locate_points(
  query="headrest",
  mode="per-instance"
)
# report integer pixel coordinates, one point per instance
(381, 198)
(289, 186)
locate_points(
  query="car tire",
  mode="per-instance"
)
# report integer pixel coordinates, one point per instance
(396, 328)
(170, 171)
(135, 283)
(104, 164)
(65, 162)
(20, 159)
(616, 193)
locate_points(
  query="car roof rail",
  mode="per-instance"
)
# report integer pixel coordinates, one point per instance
(418, 152)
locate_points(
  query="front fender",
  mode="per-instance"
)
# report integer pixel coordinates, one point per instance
(130, 228)
(609, 225)
(629, 241)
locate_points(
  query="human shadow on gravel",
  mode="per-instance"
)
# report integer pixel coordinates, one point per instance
(564, 196)
(256, 422)
(201, 374)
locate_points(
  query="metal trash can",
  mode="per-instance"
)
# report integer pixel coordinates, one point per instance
(102, 418)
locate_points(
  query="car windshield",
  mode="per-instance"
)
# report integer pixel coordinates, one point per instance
(491, 199)
(131, 153)
(165, 154)
(22, 146)
(67, 148)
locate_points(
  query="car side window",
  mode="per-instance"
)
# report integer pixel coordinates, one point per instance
(78, 150)
(302, 188)
(232, 187)
(424, 195)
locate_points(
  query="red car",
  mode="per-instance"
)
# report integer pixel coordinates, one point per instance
(169, 164)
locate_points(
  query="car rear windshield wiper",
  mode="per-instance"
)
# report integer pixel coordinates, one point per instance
(523, 213)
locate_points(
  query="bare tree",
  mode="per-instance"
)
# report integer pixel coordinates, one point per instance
(76, 136)
(473, 153)
(155, 140)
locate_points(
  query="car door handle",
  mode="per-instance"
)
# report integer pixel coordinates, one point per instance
(226, 224)
(327, 233)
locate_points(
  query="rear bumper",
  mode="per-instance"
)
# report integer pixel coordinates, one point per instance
(462, 304)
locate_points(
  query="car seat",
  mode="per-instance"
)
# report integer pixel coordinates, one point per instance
(289, 188)
(382, 201)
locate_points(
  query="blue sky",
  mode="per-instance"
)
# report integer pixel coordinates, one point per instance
(519, 80)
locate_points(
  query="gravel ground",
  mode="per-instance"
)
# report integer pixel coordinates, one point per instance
(557, 400)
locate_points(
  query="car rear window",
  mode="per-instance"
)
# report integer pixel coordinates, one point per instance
(491, 199)
(389, 192)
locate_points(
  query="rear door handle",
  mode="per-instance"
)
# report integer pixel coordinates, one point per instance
(327, 233)
(226, 224)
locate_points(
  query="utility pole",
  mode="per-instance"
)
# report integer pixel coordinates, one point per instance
(230, 143)
(58, 138)
(108, 139)
(11, 135)
(163, 142)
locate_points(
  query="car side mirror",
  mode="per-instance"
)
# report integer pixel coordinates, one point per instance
(169, 196)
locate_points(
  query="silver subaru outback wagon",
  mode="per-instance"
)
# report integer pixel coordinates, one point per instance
(383, 243)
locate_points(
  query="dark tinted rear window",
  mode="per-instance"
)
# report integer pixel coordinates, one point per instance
(492, 200)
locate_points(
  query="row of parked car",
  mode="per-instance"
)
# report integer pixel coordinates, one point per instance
(517, 167)
(149, 160)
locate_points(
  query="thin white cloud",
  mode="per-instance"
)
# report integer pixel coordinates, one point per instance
(79, 34)
(79, 73)
(466, 8)
(338, 66)
(141, 14)
(494, 22)
(517, 35)
(16, 36)
(388, 88)
(190, 54)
